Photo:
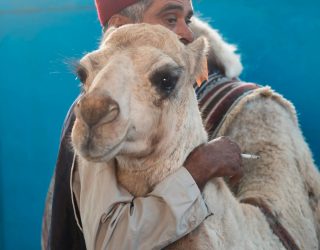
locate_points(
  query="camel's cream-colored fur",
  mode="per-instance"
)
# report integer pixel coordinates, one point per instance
(264, 123)
(155, 136)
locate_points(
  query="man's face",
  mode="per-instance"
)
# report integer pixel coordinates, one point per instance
(173, 14)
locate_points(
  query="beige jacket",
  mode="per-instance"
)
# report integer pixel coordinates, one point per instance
(113, 219)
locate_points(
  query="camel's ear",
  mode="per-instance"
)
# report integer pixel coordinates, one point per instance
(115, 22)
(106, 35)
(198, 51)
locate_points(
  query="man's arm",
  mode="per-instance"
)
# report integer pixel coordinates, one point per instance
(117, 220)
(220, 157)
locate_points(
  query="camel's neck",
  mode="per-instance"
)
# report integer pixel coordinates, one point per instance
(139, 176)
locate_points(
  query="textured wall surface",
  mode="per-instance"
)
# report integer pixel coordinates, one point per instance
(279, 42)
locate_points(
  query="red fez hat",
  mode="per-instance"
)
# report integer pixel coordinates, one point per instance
(107, 8)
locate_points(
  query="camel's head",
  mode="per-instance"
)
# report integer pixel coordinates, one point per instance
(138, 94)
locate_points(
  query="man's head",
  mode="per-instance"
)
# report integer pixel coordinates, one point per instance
(173, 14)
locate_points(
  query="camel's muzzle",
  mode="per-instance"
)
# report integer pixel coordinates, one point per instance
(95, 109)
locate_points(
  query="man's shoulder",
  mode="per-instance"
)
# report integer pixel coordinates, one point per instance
(265, 100)
(223, 101)
(218, 96)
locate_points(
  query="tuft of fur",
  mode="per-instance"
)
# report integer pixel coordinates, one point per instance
(221, 54)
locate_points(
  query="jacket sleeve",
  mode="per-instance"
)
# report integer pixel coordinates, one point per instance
(120, 221)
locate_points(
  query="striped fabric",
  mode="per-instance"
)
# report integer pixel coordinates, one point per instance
(217, 97)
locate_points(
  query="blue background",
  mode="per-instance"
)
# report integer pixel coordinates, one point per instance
(279, 42)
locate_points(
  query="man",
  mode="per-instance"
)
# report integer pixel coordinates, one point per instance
(250, 124)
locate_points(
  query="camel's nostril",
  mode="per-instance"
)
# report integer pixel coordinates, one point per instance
(112, 114)
(94, 109)
(113, 106)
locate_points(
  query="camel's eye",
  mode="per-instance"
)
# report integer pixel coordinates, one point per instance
(165, 80)
(82, 74)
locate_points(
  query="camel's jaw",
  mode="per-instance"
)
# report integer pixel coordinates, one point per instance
(101, 143)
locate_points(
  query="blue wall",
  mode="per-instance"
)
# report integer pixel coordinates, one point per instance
(279, 42)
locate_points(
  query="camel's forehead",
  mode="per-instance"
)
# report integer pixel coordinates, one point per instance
(144, 44)
(155, 35)
(130, 37)
(140, 55)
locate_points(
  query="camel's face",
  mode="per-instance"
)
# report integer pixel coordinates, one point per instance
(137, 90)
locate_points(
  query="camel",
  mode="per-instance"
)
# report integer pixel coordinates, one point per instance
(139, 107)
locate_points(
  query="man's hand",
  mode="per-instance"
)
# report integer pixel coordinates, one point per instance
(219, 158)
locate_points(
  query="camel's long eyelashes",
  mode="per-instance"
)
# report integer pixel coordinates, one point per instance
(82, 74)
(79, 70)
(165, 79)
